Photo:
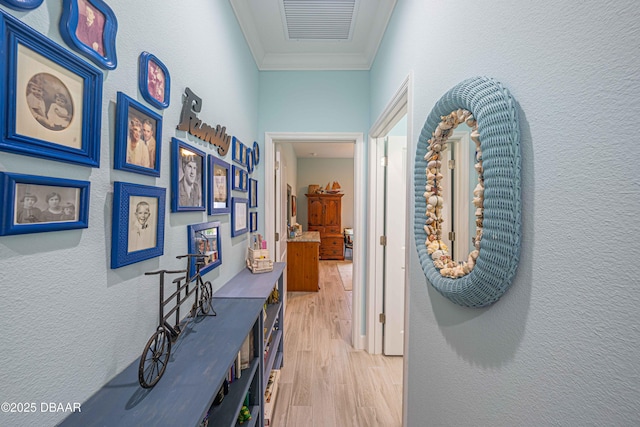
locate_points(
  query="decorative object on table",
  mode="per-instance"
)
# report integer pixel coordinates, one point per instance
(245, 415)
(22, 4)
(258, 260)
(138, 137)
(156, 353)
(89, 27)
(253, 193)
(204, 239)
(256, 153)
(218, 186)
(51, 103)
(238, 152)
(188, 172)
(35, 204)
(154, 81)
(313, 189)
(138, 223)
(491, 112)
(334, 189)
(239, 216)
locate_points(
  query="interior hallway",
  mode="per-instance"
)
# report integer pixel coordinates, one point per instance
(324, 381)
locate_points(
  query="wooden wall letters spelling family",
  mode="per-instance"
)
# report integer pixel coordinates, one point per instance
(190, 123)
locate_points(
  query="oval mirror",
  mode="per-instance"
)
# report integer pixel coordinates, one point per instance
(467, 193)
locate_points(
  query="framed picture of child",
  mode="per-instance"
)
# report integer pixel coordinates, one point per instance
(89, 27)
(138, 137)
(35, 204)
(153, 80)
(138, 223)
(52, 100)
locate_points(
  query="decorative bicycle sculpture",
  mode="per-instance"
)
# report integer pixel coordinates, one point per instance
(155, 355)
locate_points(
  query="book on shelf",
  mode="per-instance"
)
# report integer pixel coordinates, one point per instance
(246, 351)
(270, 395)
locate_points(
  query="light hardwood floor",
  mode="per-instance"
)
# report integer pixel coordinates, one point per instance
(324, 381)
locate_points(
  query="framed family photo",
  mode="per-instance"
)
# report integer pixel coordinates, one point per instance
(138, 223)
(253, 193)
(255, 153)
(204, 239)
(240, 178)
(249, 160)
(138, 137)
(50, 100)
(153, 80)
(35, 204)
(89, 27)
(187, 177)
(238, 151)
(22, 4)
(239, 216)
(253, 221)
(218, 187)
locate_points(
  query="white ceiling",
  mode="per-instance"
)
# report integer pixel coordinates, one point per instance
(323, 150)
(321, 35)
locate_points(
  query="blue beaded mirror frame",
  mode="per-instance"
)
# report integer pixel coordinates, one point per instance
(495, 111)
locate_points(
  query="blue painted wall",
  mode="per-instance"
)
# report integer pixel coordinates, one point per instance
(561, 347)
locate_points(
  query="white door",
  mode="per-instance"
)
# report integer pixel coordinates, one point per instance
(278, 196)
(395, 209)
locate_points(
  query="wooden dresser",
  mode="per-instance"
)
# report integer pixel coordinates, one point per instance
(302, 262)
(324, 213)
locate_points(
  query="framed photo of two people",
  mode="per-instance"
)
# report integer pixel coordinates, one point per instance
(187, 177)
(138, 137)
(51, 100)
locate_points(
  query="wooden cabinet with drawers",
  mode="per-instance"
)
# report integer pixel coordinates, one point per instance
(324, 215)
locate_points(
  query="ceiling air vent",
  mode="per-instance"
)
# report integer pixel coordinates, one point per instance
(319, 19)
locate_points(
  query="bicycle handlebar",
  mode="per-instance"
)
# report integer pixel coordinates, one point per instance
(149, 273)
(191, 256)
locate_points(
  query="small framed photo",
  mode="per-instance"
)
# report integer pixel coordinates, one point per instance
(187, 177)
(35, 204)
(238, 151)
(218, 187)
(240, 178)
(138, 223)
(249, 160)
(51, 100)
(89, 27)
(205, 239)
(256, 153)
(253, 221)
(253, 193)
(138, 137)
(239, 216)
(22, 4)
(153, 80)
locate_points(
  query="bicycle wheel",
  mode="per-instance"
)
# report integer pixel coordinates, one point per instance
(205, 297)
(154, 358)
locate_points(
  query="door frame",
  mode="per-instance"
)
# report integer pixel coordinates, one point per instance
(358, 331)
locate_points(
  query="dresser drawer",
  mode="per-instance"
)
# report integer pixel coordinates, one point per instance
(331, 254)
(332, 242)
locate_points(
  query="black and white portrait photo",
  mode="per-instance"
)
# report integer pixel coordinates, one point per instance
(44, 203)
(143, 220)
(190, 178)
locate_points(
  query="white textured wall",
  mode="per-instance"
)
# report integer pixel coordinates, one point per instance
(69, 322)
(561, 348)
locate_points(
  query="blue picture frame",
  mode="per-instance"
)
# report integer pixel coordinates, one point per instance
(135, 238)
(89, 27)
(218, 186)
(35, 75)
(205, 239)
(134, 120)
(238, 151)
(154, 81)
(239, 178)
(253, 193)
(253, 221)
(71, 211)
(185, 157)
(256, 153)
(250, 160)
(22, 4)
(239, 216)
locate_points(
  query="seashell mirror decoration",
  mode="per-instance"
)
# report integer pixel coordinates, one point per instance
(490, 111)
